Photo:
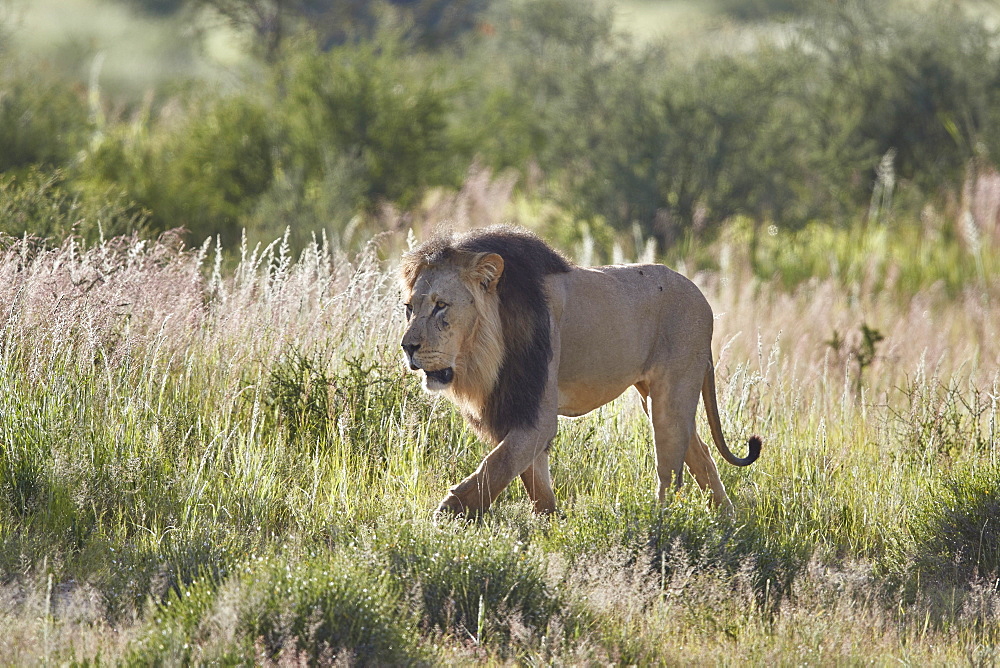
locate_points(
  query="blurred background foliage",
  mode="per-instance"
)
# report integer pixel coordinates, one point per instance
(333, 116)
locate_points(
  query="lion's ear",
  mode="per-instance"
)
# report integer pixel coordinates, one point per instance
(487, 270)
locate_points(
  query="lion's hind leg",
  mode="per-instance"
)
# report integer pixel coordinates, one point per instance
(672, 413)
(702, 466)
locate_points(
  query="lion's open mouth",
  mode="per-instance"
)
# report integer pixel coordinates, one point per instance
(442, 376)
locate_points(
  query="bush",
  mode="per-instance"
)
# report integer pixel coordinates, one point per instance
(689, 532)
(41, 204)
(43, 119)
(217, 167)
(644, 137)
(369, 103)
(358, 404)
(205, 175)
(329, 203)
(668, 143)
(922, 85)
(158, 7)
(531, 85)
(705, 143)
(757, 10)
(957, 533)
(437, 23)
(327, 606)
(782, 133)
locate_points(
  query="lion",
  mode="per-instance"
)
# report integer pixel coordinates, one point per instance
(516, 335)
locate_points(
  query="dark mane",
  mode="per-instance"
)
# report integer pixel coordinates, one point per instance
(524, 313)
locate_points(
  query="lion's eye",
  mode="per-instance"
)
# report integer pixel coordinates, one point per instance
(409, 311)
(438, 307)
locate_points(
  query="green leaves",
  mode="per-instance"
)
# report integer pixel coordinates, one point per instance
(372, 105)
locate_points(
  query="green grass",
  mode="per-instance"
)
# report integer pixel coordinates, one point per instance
(199, 467)
(218, 457)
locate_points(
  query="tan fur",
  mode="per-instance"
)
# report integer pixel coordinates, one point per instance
(611, 328)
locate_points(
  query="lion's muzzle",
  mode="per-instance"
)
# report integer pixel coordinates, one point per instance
(437, 378)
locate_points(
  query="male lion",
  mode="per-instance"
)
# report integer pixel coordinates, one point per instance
(515, 335)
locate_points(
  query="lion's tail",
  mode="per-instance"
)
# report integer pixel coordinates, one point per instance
(712, 408)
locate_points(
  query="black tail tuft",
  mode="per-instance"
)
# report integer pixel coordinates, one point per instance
(754, 444)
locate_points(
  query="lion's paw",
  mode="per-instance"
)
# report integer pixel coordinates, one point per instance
(452, 506)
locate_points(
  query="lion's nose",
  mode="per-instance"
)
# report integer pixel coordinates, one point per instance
(410, 348)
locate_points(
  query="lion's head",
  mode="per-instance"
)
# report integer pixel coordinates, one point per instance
(453, 333)
(478, 323)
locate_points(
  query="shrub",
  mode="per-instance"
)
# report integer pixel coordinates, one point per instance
(358, 404)
(923, 85)
(690, 532)
(216, 168)
(204, 175)
(957, 532)
(756, 10)
(327, 203)
(323, 606)
(532, 84)
(697, 148)
(645, 136)
(279, 608)
(44, 120)
(158, 7)
(299, 388)
(783, 132)
(372, 104)
(42, 204)
(439, 23)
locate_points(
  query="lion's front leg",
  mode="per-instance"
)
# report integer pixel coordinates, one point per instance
(516, 454)
(477, 492)
(521, 453)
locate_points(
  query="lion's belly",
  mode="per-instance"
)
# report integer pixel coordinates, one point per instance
(578, 400)
(594, 372)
